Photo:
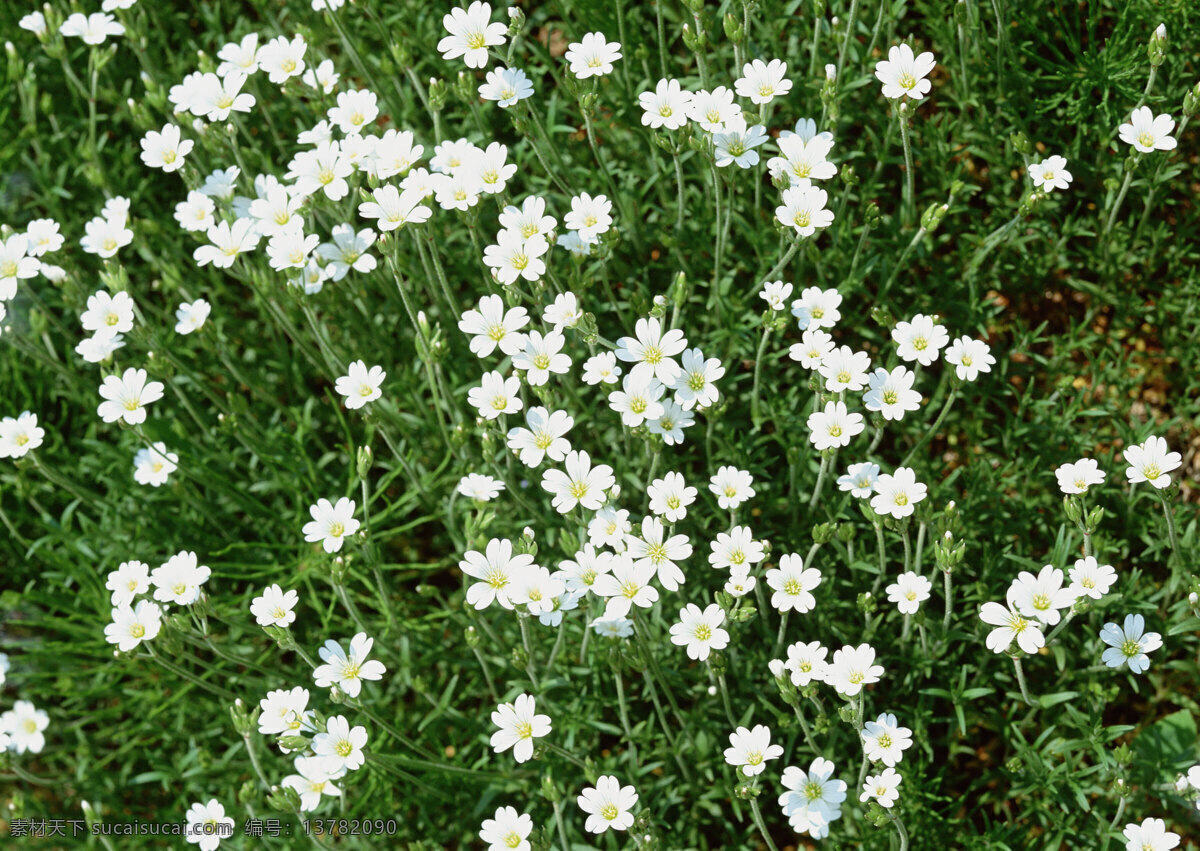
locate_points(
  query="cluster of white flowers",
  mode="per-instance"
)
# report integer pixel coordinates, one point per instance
(23, 727)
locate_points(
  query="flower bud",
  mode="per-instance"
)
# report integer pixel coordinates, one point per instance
(1191, 101)
(283, 799)
(734, 30)
(1156, 50)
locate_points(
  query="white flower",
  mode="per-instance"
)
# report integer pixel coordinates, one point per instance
(1151, 462)
(394, 153)
(214, 98)
(1010, 626)
(482, 488)
(891, 393)
(751, 749)
(563, 313)
(126, 396)
(496, 568)
(639, 399)
(793, 583)
(613, 627)
(393, 209)
(348, 251)
(609, 528)
(15, 265)
(165, 149)
(207, 825)
(1091, 579)
(695, 385)
(582, 484)
(859, 479)
(580, 574)
(229, 241)
(852, 668)
(592, 56)
(508, 829)
(590, 216)
(490, 168)
(154, 464)
(919, 340)
(845, 369)
(348, 670)
(191, 317)
(735, 144)
(178, 580)
(103, 236)
(360, 385)
(313, 779)
(471, 34)
(322, 77)
(536, 590)
(21, 435)
(762, 82)
(601, 368)
(654, 549)
(1041, 597)
(282, 59)
(834, 426)
(514, 256)
(491, 325)
(1128, 644)
(817, 308)
(699, 631)
(671, 423)
(813, 799)
(34, 22)
(239, 56)
(775, 294)
(711, 110)
(666, 106)
(542, 355)
(283, 711)
(1078, 477)
(970, 357)
(1050, 174)
(92, 29)
(354, 111)
(99, 347)
(274, 607)
(803, 160)
(627, 585)
(496, 395)
(1147, 132)
(130, 580)
(806, 662)
(813, 348)
(897, 494)
(331, 523)
(42, 237)
(131, 626)
(670, 496)
(909, 591)
(544, 436)
(903, 74)
(884, 740)
(519, 725)
(530, 218)
(883, 788)
(341, 744)
(803, 209)
(732, 487)
(608, 805)
(323, 169)
(506, 86)
(1150, 835)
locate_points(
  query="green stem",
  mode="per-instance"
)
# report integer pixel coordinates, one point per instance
(624, 710)
(909, 175)
(932, 429)
(530, 668)
(779, 638)
(820, 483)
(1021, 681)
(758, 361)
(1112, 216)
(725, 700)
(949, 601)
(900, 830)
(762, 827)
(783, 261)
(1170, 521)
(846, 38)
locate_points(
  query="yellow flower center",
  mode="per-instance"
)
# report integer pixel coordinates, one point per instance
(137, 630)
(703, 632)
(336, 530)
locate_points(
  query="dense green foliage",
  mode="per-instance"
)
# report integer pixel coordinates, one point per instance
(1096, 338)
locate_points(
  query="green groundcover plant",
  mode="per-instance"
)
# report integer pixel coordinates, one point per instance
(596, 424)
